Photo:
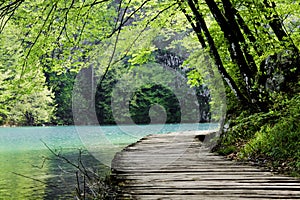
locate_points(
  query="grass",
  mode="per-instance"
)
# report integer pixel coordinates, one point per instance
(269, 139)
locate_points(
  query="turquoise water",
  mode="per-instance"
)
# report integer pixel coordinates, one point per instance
(29, 171)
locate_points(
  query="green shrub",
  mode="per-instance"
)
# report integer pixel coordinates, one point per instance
(278, 144)
(227, 150)
(271, 139)
(244, 127)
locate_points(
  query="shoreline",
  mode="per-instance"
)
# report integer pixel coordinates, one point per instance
(58, 125)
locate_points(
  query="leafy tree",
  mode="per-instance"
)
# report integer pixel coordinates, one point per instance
(5, 95)
(25, 100)
(239, 39)
(62, 88)
(32, 109)
(150, 95)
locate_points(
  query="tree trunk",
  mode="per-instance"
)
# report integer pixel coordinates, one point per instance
(236, 31)
(215, 54)
(234, 48)
(247, 32)
(277, 25)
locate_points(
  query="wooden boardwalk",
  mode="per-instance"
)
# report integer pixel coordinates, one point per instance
(179, 166)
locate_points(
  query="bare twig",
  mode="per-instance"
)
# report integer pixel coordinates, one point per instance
(43, 163)
(87, 187)
(37, 180)
(60, 156)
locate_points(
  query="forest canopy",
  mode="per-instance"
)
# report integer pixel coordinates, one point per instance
(253, 45)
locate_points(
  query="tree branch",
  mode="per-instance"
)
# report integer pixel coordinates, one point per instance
(36, 39)
(134, 41)
(37, 180)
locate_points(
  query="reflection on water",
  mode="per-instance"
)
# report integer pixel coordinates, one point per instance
(40, 175)
(28, 170)
(17, 187)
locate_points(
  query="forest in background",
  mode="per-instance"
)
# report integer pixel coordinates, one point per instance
(48, 99)
(252, 45)
(38, 77)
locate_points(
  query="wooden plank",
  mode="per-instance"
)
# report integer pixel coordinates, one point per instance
(179, 166)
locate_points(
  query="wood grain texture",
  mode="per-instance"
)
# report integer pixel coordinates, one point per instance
(180, 166)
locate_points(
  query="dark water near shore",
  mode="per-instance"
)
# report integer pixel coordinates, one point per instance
(28, 170)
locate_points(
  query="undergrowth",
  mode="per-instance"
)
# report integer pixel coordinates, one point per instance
(269, 139)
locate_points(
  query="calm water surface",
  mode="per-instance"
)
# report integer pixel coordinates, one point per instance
(29, 171)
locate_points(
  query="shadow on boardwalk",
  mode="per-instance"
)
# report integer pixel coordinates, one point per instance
(178, 166)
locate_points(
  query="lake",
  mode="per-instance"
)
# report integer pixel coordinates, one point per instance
(28, 170)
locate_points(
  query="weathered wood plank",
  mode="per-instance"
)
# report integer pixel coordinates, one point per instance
(178, 166)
